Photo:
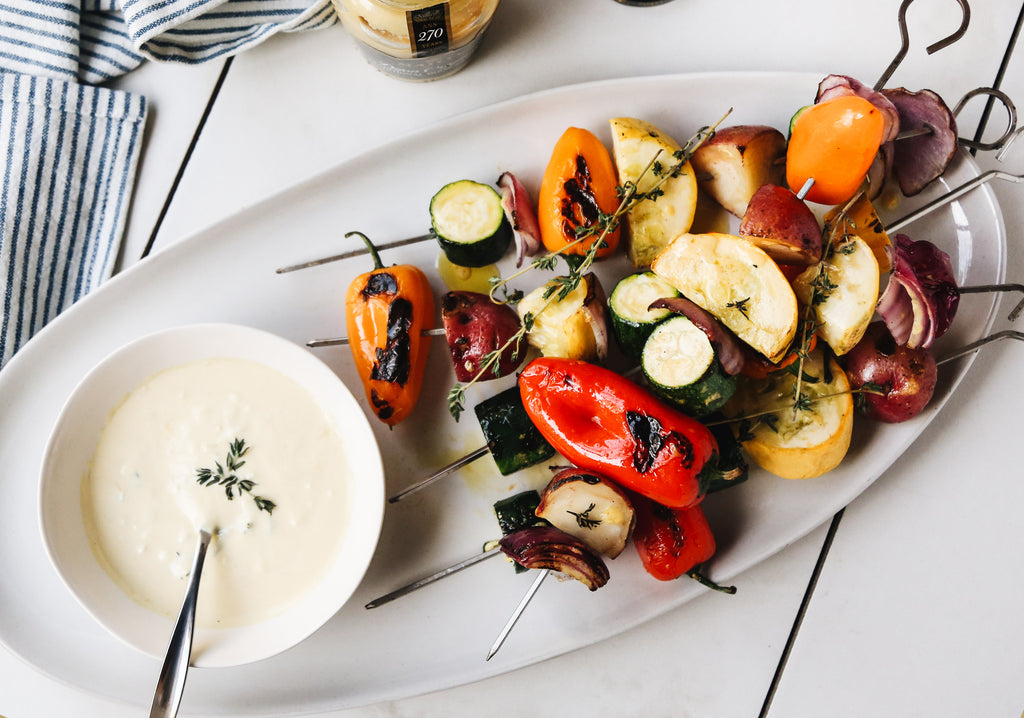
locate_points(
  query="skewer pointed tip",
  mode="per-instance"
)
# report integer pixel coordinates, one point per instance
(514, 618)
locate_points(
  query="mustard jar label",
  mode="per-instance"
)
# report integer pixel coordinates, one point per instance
(430, 29)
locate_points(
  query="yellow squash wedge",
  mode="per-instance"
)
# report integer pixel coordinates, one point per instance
(802, 443)
(738, 283)
(652, 223)
(842, 290)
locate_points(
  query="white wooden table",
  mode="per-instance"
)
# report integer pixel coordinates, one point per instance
(909, 604)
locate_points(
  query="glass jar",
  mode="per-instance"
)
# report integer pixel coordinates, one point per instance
(417, 39)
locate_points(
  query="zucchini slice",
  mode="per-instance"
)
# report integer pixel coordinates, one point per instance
(470, 224)
(679, 362)
(518, 512)
(632, 321)
(514, 513)
(513, 440)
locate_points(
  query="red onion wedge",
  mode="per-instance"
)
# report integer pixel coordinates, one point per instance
(546, 547)
(917, 160)
(922, 297)
(731, 353)
(515, 200)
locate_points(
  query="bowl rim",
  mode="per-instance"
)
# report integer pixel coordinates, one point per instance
(140, 627)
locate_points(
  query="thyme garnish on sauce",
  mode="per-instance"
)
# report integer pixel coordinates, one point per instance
(225, 476)
(629, 196)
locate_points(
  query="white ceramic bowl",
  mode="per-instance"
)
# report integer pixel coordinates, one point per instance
(74, 439)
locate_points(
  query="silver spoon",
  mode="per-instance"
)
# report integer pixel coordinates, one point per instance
(179, 651)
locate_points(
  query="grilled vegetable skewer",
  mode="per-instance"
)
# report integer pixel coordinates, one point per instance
(512, 513)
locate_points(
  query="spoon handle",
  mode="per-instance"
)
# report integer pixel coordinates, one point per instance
(179, 651)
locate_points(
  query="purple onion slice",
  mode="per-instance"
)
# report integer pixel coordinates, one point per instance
(922, 297)
(515, 200)
(919, 160)
(546, 547)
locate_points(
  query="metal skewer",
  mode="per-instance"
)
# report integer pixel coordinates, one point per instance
(525, 601)
(334, 341)
(934, 47)
(457, 464)
(514, 618)
(427, 580)
(984, 288)
(953, 194)
(975, 345)
(353, 253)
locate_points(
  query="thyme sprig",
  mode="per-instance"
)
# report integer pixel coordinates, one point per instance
(224, 475)
(629, 195)
(742, 306)
(583, 518)
(803, 402)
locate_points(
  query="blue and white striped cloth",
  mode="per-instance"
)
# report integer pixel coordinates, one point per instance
(69, 148)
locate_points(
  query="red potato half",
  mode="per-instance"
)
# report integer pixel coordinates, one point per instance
(737, 161)
(783, 226)
(905, 376)
(475, 326)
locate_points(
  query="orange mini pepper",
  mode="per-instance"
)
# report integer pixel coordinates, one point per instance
(578, 185)
(386, 312)
(834, 142)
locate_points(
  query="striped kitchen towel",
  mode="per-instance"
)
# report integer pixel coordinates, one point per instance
(95, 40)
(69, 148)
(69, 160)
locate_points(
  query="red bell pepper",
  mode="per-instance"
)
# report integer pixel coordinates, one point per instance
(671, 542)
(603, 422)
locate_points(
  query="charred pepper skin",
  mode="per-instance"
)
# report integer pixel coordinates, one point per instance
(603, 422)
(386, 311)
(579, 185)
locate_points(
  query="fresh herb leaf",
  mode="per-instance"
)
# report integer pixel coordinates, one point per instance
(583, 519)
(457, 400)
(225, 476)
(742, 306)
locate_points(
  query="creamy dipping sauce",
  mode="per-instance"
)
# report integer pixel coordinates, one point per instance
(143, 506)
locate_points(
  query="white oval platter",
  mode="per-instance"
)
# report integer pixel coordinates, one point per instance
(436, 637)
